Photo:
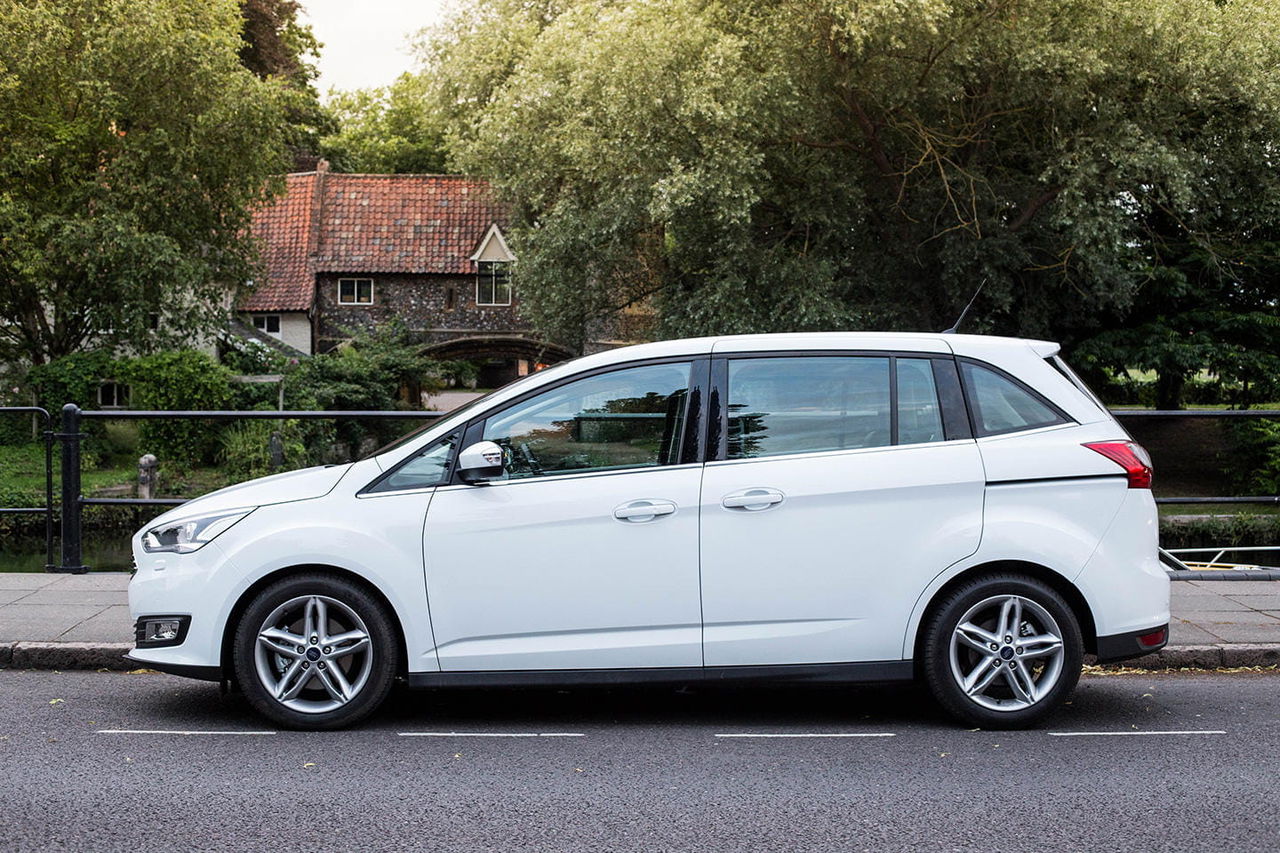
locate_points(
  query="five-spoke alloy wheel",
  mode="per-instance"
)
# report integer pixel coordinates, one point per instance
(315, 651)
(1002, 651)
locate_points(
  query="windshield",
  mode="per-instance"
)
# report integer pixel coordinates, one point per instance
(459, 414)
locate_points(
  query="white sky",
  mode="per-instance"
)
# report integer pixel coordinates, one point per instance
(366, 42)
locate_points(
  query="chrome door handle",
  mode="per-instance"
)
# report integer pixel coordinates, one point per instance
(638, 511)
(753, 500)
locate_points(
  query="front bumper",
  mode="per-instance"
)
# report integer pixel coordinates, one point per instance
(1132, 644)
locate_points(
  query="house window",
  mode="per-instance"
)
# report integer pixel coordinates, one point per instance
(355, 291)
(493, 283)
(113, 395)
(269, 323)
(450, 298)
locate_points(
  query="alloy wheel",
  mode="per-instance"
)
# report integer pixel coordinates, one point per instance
(1006, 653)
(313, 654)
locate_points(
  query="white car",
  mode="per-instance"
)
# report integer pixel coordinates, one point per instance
(793, 508)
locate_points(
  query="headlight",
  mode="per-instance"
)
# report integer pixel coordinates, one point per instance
(190, 534)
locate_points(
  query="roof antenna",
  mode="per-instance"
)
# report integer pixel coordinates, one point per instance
(965, 312)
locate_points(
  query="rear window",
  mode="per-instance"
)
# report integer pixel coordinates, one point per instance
(1065, 369)
(1000, 404)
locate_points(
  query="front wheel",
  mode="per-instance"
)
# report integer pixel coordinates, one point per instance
(1002, 651)
(315, 651)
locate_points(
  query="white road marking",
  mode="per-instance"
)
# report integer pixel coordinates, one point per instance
(173, 732)
(1116, 734)
(490, 734)
(808, 734)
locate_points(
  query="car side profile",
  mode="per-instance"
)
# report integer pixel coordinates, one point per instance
(839, 507)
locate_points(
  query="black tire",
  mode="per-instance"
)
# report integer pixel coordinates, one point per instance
(367, 673)
(975, 599)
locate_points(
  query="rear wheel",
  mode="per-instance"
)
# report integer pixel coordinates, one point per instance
(1002, 651)
(315, 651)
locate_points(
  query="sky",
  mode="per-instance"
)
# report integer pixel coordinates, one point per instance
(366, 42)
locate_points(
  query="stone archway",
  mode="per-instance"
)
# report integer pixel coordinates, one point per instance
(502, 358)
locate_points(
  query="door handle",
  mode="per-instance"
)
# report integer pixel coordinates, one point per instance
(753, 500)
(639, 511)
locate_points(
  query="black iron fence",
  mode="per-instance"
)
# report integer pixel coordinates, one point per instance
(68, 509)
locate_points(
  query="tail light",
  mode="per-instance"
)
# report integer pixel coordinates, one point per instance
(1130, 456)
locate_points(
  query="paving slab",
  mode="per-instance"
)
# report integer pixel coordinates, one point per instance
(95, 581)
(60, 595)
(42, 622)
(8, 596)
(27, 580)
(1183, 633)
(1257, 602)
(105, 627)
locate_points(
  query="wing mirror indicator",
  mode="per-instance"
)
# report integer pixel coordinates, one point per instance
(480, 462)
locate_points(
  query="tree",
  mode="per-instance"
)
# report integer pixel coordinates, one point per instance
(802, 164)
(387, 129)
(135, 148)
(278, 46)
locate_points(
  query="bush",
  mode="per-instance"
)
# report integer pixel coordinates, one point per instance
(246, 448)
(1254, 464)
(1214, 531)
(185, 379)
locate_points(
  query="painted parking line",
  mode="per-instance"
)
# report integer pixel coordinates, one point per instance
(490, 734)
(806, 734)
(1124, 734)
(175, 732)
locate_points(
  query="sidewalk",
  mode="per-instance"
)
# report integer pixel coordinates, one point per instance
(50, 621)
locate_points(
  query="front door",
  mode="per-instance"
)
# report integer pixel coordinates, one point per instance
(841, 491)
(585, 554)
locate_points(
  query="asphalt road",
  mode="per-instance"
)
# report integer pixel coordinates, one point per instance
(645, 769)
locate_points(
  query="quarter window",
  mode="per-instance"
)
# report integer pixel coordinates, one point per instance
(807, 405)
(1001, 405)
(428, 468)
(355, 291)
(632, 418)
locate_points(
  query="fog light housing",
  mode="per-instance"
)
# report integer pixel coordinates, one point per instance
(156, 631)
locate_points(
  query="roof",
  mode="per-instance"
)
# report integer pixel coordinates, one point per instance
(368, 224)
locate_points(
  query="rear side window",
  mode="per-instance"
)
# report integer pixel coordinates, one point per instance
(919, 415)
(779, 406)
(1000, 404)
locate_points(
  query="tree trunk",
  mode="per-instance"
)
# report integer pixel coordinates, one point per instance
(1169, 387)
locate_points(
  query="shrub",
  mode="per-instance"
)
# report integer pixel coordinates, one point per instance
(1254, 464)
(185, 379)
(1219, 531)
(246, 448)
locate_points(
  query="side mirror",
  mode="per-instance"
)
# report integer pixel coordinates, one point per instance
(480, 462)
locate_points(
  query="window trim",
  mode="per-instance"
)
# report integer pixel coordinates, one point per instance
(266, 318)
(972, 407)
(369, 490)
(128, 392)
(473, 431)
(480, 275)
(718, 423)
(357, 302)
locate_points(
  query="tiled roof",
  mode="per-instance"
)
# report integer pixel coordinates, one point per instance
(368, 224)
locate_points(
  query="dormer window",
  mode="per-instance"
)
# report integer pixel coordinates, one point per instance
(493, 269)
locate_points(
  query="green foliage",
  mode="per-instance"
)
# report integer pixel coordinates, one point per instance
(246, 448)
(73, 378)
(386, 129)
(774, 165)
(135, 147)
(183, 379)
(1255, 457)
(1220, 531)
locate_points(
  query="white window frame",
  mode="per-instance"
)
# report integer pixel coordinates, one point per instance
(481, 276)
(119, 387)
(266, 321)
(356, 284)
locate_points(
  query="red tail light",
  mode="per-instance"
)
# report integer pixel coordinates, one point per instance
(1130, 456)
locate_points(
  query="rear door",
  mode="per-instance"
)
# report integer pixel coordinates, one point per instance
(839, 486)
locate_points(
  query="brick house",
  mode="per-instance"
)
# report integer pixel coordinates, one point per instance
(346, 253)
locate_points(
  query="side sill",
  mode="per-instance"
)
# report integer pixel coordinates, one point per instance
(820, 673)
(201, 673)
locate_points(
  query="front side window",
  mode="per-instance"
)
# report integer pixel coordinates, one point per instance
(493, 283)
(427, 469)
(631, 418)
(811, 404)
(355, 291)
(1001, 405)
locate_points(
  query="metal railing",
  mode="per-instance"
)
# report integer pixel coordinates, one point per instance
(71, 502)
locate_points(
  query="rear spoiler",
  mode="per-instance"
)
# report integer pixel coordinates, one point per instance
(1044, 349)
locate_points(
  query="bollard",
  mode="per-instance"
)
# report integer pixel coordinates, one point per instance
(148, 477)
(276, 450)
(72, 558)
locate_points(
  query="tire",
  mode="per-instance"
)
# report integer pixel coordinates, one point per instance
(292, 676)
(983, 679)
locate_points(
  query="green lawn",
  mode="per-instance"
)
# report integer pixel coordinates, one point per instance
(22, 475)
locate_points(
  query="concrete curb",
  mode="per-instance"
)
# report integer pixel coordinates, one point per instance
(67, 656)
(1221, 656)
(111, 656)
(1224, 574)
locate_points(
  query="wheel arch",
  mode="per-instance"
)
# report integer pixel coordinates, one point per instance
(1054, 580)
(250, 592)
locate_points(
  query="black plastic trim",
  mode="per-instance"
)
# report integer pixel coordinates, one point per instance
(830, 673)
(184, 624)
(201, 673)
(1117, 647)
(1057, 479)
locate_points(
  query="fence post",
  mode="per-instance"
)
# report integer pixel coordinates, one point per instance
(72, 558)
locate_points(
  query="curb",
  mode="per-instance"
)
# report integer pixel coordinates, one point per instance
(111, 656)
(67, 656)
(1221, 656)
(1223, 574)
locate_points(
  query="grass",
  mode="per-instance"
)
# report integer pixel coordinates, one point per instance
(22, 475)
